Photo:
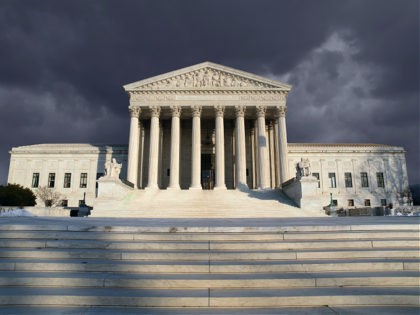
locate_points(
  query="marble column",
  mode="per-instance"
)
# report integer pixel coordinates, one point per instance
(220, 149)
(141, 154)
(264, 170)
(196, 148)
(154, 148)
(277, 153)
(282, 138)
(240, 148)
(133, 146)
(253, 158)
(272, 155)
(175, 142)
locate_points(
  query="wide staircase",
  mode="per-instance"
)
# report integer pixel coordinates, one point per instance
(88, 266)
(201, 204)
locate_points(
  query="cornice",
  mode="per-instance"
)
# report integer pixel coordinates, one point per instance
(343, 148)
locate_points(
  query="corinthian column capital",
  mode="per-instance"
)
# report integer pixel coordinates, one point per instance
(196, 110)
(281, 111)
(219, 110)
(154, 111)
(261, 109)
(176, 111)
(134, 111)
(240, 111)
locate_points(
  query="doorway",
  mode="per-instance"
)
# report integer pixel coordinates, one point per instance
(207, 171)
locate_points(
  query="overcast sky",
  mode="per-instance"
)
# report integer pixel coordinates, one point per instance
(353, 64)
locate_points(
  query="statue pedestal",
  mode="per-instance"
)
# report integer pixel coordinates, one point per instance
(112, 188)
(304, 192)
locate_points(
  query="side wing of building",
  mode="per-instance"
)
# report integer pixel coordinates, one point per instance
(356, 175)
(70, 169)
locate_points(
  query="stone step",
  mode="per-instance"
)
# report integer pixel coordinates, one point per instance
(283, 280)
(254, 225)
(205, 255)
(209, 245)
(403, 296)
(311, 297)
(179, 236)
(165, 266)
(320, 310)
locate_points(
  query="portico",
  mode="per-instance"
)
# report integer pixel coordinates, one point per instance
(207, 127)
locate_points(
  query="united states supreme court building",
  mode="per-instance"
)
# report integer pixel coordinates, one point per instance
(209, 140)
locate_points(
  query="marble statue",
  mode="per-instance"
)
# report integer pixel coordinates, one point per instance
(303, 168)
(113, 169)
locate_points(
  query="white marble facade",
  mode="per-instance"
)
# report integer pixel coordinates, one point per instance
(214, 127)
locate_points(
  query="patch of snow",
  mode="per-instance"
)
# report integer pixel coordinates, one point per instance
(16, 213)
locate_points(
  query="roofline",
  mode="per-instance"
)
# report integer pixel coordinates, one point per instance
(131, 86)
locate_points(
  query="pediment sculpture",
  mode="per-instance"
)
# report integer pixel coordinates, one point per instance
(205, 78)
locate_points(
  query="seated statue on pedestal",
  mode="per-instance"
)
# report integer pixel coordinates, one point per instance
(113, 169)
(303, 168)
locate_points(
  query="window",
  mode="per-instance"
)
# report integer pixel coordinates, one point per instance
(67, 180)
(83, 180)
(316, 175)
(350, 202)
(333, 182)
(64, 203)
(380, 179)
(365, 181)
(35, 180)
(367, 202)
(51, 180)
(334, 202)
(347, 180)
(383, 202)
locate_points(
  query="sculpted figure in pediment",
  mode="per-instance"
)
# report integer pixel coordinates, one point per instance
(199, 78)
(215, 80)
(189, 81)
(206, 79)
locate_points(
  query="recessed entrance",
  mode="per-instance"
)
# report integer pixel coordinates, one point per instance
(207, 171)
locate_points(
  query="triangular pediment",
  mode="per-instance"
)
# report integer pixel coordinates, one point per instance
(207, 76)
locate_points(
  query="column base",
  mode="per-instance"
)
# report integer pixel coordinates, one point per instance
(242, 187)
(151, 188)
(173, 188)
(219, 187)
(195, 188)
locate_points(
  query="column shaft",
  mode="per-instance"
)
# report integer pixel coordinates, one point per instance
(133, 146)
(196, 149)
(272, 155)
(220, 149)
(141, 154)
(240, 148)
(154, 148)
(282, 137)
(264, 181)
(175, 140)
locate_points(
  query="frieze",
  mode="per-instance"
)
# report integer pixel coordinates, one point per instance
(277, 97)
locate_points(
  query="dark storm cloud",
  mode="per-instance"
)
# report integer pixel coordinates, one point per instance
(64, 62)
